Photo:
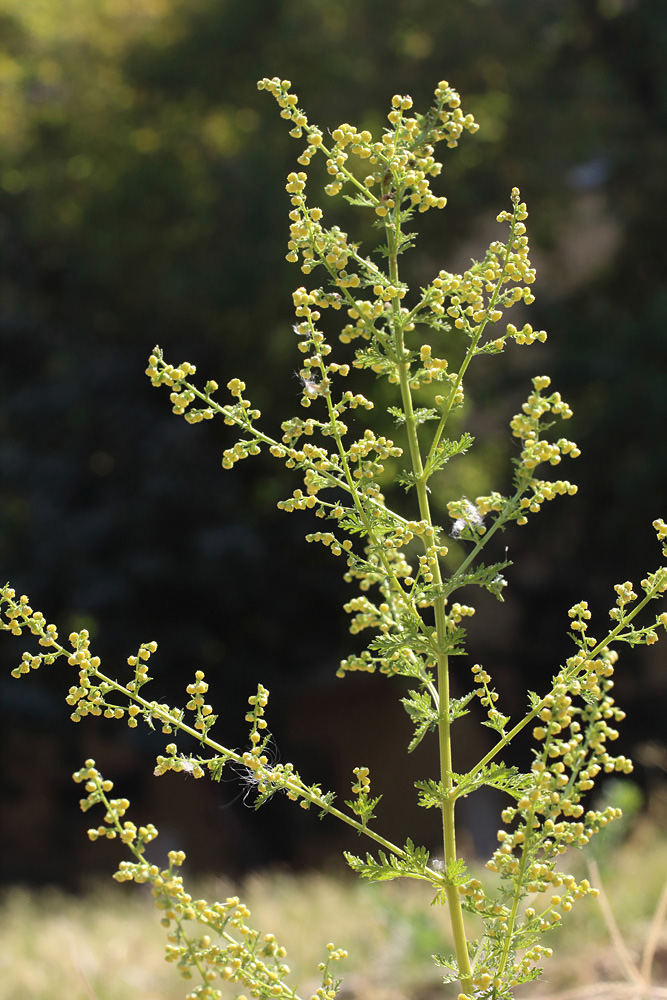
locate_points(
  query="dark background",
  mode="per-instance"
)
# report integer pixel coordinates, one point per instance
(142, 200)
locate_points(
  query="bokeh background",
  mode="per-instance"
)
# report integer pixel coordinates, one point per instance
(142, 201)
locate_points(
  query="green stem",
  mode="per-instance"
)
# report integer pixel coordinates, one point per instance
(444, 724)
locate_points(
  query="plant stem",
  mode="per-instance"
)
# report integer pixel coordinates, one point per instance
(444, 724)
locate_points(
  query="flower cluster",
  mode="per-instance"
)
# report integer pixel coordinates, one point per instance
(399, 165)
(211, 942)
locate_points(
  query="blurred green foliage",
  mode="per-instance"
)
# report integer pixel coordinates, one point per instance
(142, 199)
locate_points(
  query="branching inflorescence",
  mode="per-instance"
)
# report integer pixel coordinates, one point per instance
(409, 598)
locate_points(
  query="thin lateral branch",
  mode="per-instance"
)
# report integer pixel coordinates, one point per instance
(590, 656)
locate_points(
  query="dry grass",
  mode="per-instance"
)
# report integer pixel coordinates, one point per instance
(107, 944)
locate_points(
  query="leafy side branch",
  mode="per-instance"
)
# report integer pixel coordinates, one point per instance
(388, 512)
